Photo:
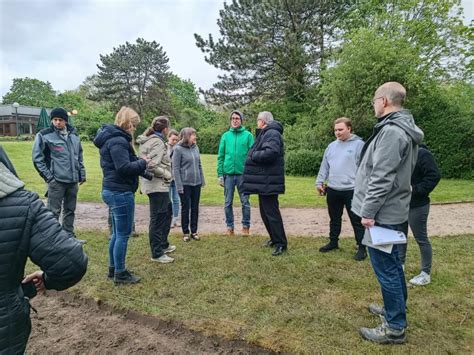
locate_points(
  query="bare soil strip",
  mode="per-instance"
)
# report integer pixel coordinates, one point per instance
(68, 324)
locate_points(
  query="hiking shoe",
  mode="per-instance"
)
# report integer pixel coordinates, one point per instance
(328, 247)
(111, 273)
(420, 280)
(164, 259)
(229, 232)
(195, 236)
(383, 334)
(125, 277)
(268, 244)
(186, 238)
(245, 231)
(170, 249)
(376, 309)
(361, 254)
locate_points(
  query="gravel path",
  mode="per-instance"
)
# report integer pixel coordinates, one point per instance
(444, 219)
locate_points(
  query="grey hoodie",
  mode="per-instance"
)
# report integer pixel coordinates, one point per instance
(383, 180)
(339, 163)
(187, 168)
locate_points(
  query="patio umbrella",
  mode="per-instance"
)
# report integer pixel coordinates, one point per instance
(43, 121)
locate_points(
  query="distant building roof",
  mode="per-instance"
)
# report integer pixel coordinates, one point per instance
(8, 110)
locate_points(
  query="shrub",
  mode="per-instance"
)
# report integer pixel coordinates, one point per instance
(303, 162)
(208, 140)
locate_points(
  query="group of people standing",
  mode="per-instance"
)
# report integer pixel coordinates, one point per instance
(385, 182)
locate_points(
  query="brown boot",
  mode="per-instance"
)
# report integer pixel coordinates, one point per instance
(245, 231)
(230, 232)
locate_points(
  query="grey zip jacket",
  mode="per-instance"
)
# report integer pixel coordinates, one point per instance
(187, 168)
(58, 157)
(339, 163)
(383, 180)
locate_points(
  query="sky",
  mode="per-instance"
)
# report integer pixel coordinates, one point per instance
(60, 40)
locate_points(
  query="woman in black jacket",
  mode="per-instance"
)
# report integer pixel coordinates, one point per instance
(264, 174)
(424, 179)
(28, 229)
(121, 168)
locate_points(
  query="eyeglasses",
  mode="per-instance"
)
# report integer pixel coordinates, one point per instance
(373, 101)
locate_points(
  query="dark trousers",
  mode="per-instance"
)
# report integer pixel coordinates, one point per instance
(418, 220)
(271, 217)
(190, 208)
(160, 222)
(336, 201)
(63, 196)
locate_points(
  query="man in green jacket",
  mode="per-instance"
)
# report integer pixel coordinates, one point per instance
(233, 149)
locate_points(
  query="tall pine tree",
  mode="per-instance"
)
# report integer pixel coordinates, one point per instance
(128, 74)
(270, 48)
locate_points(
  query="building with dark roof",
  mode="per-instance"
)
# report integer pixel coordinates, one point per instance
(24, 123)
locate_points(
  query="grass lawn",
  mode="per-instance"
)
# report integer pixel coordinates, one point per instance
(303, 302)
(300, 191)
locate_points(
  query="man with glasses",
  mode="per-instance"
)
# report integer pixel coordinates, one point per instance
(233, 149)
(382, 197)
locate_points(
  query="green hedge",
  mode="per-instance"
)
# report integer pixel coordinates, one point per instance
(208, 141)
(303, 162)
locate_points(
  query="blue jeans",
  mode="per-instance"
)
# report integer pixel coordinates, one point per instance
(230, 183)
(122, 205)
(389, 272)
(174, 197)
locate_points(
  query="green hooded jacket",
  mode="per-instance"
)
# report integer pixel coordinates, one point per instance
(233, 149)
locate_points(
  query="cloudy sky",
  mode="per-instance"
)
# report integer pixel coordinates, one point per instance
(60, 40)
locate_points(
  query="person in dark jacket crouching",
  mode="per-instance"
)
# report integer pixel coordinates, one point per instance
(121, 168)
(264, 175)
(29, 229)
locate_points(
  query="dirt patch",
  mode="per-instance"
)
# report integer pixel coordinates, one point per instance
(444, 219)
(68, 324)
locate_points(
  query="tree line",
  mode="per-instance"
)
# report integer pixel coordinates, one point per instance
(307, 61)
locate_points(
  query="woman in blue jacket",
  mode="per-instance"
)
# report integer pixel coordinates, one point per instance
(121, 168)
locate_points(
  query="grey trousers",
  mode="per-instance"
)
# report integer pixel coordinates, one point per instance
(418, 219)
(63, 196)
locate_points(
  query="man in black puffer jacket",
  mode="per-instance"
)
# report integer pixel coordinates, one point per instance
(264, 174)
(29, 229)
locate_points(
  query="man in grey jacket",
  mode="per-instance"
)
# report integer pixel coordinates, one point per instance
(336, 179)
(382, 197)
(57, 156)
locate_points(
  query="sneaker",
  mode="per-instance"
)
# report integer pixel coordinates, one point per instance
(125, 277)
(175, 222)
(111, 273)
(245, 231)
(82, 241)
(328, 247)
(170, 249)
(164, 259)
(376, 309)
(195, 236)
(186, 238)
(361, 254)
(229, 232)
(420, 280)
(383, 334)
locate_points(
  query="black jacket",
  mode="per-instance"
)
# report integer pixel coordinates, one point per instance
(28, 229)
(425, 177)
(120, 166)
(264, 170)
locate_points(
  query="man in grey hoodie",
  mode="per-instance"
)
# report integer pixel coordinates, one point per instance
(382, 197)
(336, 179)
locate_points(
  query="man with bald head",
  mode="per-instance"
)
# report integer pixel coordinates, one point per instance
(382, 197)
